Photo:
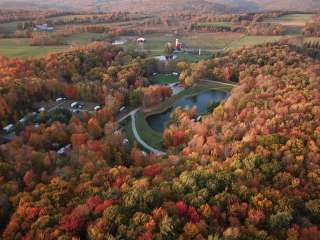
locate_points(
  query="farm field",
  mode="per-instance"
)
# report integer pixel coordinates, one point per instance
(19, 47)
(8, 28)
(206, 41)
(190, 58)
(254, 40)
(84, 38)
(291, 20)
(217, 24)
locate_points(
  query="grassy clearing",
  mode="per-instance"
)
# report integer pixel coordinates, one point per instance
(217, 24)
(291, 19)
(296, 17)
(154, 42)
(127, 127)
(19, 47)
(84, 38)
(150, 136)
(164, 79)
(211, 41)
(206, 41)
(71, 17)
(190, 58)
(9, 28)
(254, 40)
(293, 30)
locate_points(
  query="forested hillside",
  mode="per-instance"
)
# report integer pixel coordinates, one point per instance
(168, 5)
(248, 170)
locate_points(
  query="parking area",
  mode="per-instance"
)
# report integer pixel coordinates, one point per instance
(73, 106)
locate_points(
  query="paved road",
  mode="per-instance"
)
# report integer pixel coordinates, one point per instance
(137, 136)
(127, 115)
(222, 83)
(56, 106)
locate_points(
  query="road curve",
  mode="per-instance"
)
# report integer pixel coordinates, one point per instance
(222, 83)
(138, 138)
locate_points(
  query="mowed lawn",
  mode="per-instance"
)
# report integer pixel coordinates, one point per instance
(190, 58)
(19, 47)
(164, 79)
(150, 136)
(85, 38)
(9, 28)
(217, 24)
(155, 43)
(291, 20)
(254, 40)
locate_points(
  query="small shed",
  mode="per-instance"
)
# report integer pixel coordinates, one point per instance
(74, 105)
(141, 40)
(8, 128)
(41, 109)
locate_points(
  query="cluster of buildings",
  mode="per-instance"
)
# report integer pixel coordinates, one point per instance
(43, 28)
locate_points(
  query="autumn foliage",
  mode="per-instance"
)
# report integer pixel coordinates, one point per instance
(248, 170)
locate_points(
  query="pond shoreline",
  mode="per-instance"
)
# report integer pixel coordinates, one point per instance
(200, 99)
(189, 92)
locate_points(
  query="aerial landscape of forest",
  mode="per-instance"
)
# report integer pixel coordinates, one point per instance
(175, 119)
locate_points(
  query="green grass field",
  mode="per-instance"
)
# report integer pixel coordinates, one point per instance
(164, 79)
(84, 38)
(150, 136)
(206, 41)
(190, 58)
(254, 40)
(296, 17)
(291, 19)
(19, 47)
(217, 24)
(210, 41)
(8, 28)
(127, 127)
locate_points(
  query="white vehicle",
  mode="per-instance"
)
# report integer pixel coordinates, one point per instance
(23, 120)
(199, 118)
(175, 74)
(125, 141)
(122, 109)
(59, 99)
(74, 105)
(97, 108)
(8, 128)
(41, 109)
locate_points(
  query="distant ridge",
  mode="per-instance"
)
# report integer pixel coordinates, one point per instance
(165, 5)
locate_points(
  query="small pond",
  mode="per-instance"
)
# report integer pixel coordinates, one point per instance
(201, 101)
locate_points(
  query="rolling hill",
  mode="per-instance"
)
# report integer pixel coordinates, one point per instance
(167, 5)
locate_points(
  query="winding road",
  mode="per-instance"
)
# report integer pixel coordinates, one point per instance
(132, 114)
(138, 138)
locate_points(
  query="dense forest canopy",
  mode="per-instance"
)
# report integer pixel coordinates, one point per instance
(248, 170)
